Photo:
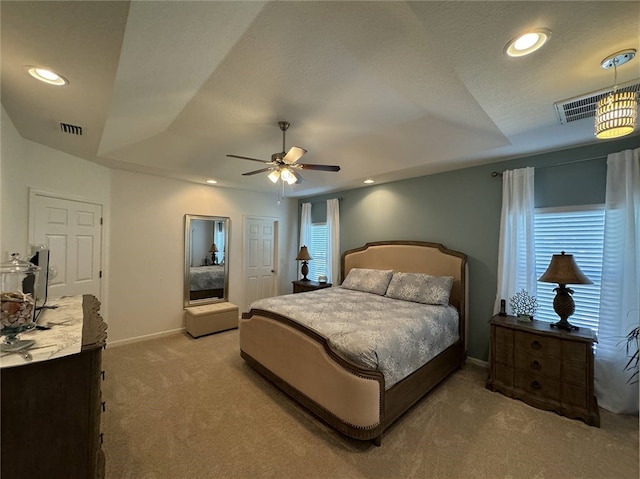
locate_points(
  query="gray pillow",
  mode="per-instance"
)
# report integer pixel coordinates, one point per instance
(368, 280)
(420, 288)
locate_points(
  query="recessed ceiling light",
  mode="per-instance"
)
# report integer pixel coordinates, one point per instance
(368, 182)
(527, 43)
(47, 76)
(212, 182)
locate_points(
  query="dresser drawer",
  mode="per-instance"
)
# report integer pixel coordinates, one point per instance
(538, 386)
(536, 343)
(574, 372)
(538, 364)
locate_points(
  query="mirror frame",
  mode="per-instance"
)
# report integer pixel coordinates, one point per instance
(187, 259)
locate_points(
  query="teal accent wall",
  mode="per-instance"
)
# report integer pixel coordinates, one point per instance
(461, 210)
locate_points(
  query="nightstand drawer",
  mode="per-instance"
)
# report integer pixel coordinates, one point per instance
(504, 354)
(536, 343)
(538, 364)
(504, 336)
(574, 372)
(575, 351)
(539, 386)
(574, 395)
(504, 375)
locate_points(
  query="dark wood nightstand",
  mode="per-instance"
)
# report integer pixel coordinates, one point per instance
(545, 367)
(302, 286)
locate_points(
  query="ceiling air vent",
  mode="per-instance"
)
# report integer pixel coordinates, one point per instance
(584, 106)
(71, 129)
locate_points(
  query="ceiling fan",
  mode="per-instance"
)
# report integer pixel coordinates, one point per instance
(284, 165)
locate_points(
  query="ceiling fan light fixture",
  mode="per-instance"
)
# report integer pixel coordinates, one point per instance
(527, 42)
(616, 113)
(47, 76)
(287, 176)
(274, 176)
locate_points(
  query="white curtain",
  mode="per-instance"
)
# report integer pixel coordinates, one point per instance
(333, 241)
(620, 289)
(516, 253)
(305, 229)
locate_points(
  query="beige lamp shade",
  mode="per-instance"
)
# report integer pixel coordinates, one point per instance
(563, 270)
(213, 249)
(616, 115)
(303, 254)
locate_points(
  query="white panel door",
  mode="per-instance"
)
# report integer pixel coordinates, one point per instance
(72, 231)
(259, 259)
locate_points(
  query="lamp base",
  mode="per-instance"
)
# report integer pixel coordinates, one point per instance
(305, 271)
(564, 307)
(564, 324)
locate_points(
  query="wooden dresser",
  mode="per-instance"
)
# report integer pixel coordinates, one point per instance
(545, 367)
(51, 409)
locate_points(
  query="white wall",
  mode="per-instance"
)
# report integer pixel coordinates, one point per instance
(27, 165)
(147, 247)
(143, 234)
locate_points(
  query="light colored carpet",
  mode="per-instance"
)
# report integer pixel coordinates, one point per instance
(178, 407)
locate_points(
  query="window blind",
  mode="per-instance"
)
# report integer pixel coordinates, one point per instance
(578, 231)
(318, 251)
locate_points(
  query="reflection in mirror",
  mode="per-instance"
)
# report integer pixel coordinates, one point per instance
(206, 274)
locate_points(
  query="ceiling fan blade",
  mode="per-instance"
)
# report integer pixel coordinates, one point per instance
(247, 158)
(261, 170)
(309, 166)
(293, 155)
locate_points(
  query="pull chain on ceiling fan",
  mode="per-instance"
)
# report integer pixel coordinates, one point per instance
(284, 165)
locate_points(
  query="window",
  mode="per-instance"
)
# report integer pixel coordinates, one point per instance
(318, 251)
(578, 231)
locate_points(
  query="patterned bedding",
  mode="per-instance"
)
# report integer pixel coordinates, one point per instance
(393, 336)
(206, 277)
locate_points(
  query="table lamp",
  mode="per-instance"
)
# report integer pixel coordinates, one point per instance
(213, 250)
(303, 255)
(563, 270)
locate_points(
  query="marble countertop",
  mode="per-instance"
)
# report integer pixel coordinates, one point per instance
(63, 336)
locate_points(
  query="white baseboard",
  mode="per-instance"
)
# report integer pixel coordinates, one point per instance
(478, 362)
(146, 337)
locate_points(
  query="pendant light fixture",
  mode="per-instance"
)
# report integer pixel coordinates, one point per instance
(617, 112)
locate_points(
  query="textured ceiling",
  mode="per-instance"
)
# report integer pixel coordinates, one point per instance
(386, 90)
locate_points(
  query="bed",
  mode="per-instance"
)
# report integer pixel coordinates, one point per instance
(355, 392)
(206, 281)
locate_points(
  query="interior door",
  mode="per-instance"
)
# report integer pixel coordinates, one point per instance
(260, 238)
(72, 230)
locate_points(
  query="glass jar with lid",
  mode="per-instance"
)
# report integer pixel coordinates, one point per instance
(17, 298)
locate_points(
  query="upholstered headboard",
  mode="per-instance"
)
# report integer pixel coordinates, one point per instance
(415, 257)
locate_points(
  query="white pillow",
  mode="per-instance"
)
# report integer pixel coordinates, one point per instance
(420, 288)
(368, 280)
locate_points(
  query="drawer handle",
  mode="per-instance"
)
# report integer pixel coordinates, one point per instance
(104, 406)
(535, 344)
(536, 385)
(536, 365)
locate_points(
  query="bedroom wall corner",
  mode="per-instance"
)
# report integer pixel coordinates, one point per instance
(147, 247)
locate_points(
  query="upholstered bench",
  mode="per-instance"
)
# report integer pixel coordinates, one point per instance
(211, 318)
